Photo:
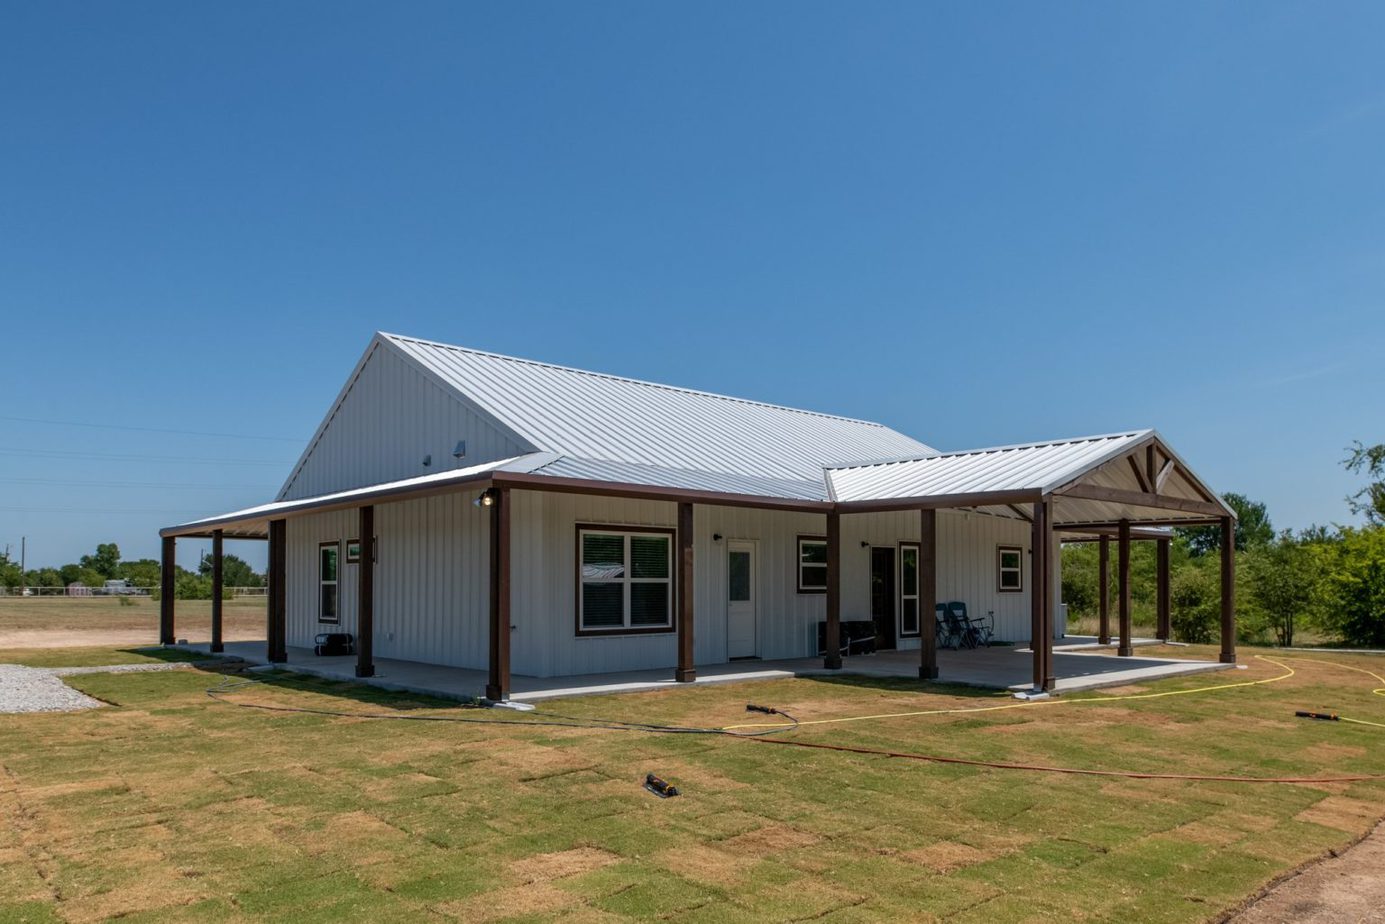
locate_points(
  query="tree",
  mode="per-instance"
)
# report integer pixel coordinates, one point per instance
(45, 577)
(1356, 588)
(1253, 528)
(235, 572)
(10, 575)
(1370, 500)
(143, 572)
(1284, 580)
(105, 562)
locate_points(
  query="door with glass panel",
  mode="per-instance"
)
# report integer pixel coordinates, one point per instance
(740, 604)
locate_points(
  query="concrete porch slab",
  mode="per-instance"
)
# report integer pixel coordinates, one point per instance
(994, 668)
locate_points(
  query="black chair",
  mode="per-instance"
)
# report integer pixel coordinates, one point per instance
(980, 630)
(947, 637)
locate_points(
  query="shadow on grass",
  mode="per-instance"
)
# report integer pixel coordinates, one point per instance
(905, 685)
(344, 690)
(170, 655)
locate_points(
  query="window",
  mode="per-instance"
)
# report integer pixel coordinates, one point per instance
(812, 565)
(353, 551)
(1009, 569)
(625, 580)
(908, 589)
(327, 554)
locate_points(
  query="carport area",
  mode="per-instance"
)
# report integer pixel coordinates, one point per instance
(993, 668)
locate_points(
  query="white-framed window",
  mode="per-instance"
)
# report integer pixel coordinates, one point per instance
(1009, 566)
(328, 554)
(908, 589)
(812, 565)
(625, 580)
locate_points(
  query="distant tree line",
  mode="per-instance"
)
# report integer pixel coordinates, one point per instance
(105, 564)
(1330, 580)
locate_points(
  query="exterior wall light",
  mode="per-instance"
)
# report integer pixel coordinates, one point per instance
(486, 498)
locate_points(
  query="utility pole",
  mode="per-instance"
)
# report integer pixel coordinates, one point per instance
(23, 580)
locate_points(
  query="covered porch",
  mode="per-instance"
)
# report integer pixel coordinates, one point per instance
(990, 668)
(1114, 489)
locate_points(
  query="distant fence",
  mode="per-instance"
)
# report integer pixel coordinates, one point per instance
(80, 590)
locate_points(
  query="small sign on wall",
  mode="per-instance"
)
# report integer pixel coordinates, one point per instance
(353, 551)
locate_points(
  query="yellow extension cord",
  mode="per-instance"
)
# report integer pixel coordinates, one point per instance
(1288, 672)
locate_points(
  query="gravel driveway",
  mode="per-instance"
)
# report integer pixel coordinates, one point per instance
(40, 689)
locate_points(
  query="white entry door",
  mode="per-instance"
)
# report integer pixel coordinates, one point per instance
(740, 605)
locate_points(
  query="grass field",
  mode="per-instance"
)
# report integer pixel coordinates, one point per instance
(172, 806)
(58, 621)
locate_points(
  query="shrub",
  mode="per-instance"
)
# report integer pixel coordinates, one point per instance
(1195, 595)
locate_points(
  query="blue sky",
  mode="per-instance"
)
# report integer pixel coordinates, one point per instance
(978, 223)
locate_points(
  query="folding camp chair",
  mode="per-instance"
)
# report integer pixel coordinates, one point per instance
(943, 630)
(981, 630)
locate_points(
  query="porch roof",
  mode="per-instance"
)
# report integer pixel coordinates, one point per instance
(1096, 481)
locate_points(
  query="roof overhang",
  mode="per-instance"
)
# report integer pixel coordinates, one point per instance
(1092, 484)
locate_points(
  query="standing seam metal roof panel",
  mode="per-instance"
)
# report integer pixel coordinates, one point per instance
(1041, 466)
(593, 415)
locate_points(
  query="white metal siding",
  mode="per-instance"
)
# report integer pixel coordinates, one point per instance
(304, 534)
(390, 417)
(432, 595)
(544, 642)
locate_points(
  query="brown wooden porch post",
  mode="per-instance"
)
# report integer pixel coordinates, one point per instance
(1123, 566)
(1162, 546)
(928, 594)
(1103, 583)
(832, 637)
(365, 595)
(1040, 606)
(498, 687)
(686, 673)
(217, 537)
(1052, 558)
(1228, 590)
(167, 588)
(277, 618)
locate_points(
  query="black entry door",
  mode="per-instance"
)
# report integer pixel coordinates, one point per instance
(882, 596)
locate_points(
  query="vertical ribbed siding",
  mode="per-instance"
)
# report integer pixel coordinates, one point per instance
(967, 568)
(786, 621)
(391, 417)
(304, 534)
(432, 592)
(543, 584)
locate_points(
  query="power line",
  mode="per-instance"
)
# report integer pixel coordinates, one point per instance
(96, 426)
(131, 484)
(67, 454)
(128, 510)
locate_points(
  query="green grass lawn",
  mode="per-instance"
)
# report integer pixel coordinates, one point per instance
(93, 656)
(171, 806)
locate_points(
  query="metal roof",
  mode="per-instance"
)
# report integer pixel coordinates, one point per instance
(603, 429)
(594, 416)
(1040, 467)
(253, 522)
(683, 479)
